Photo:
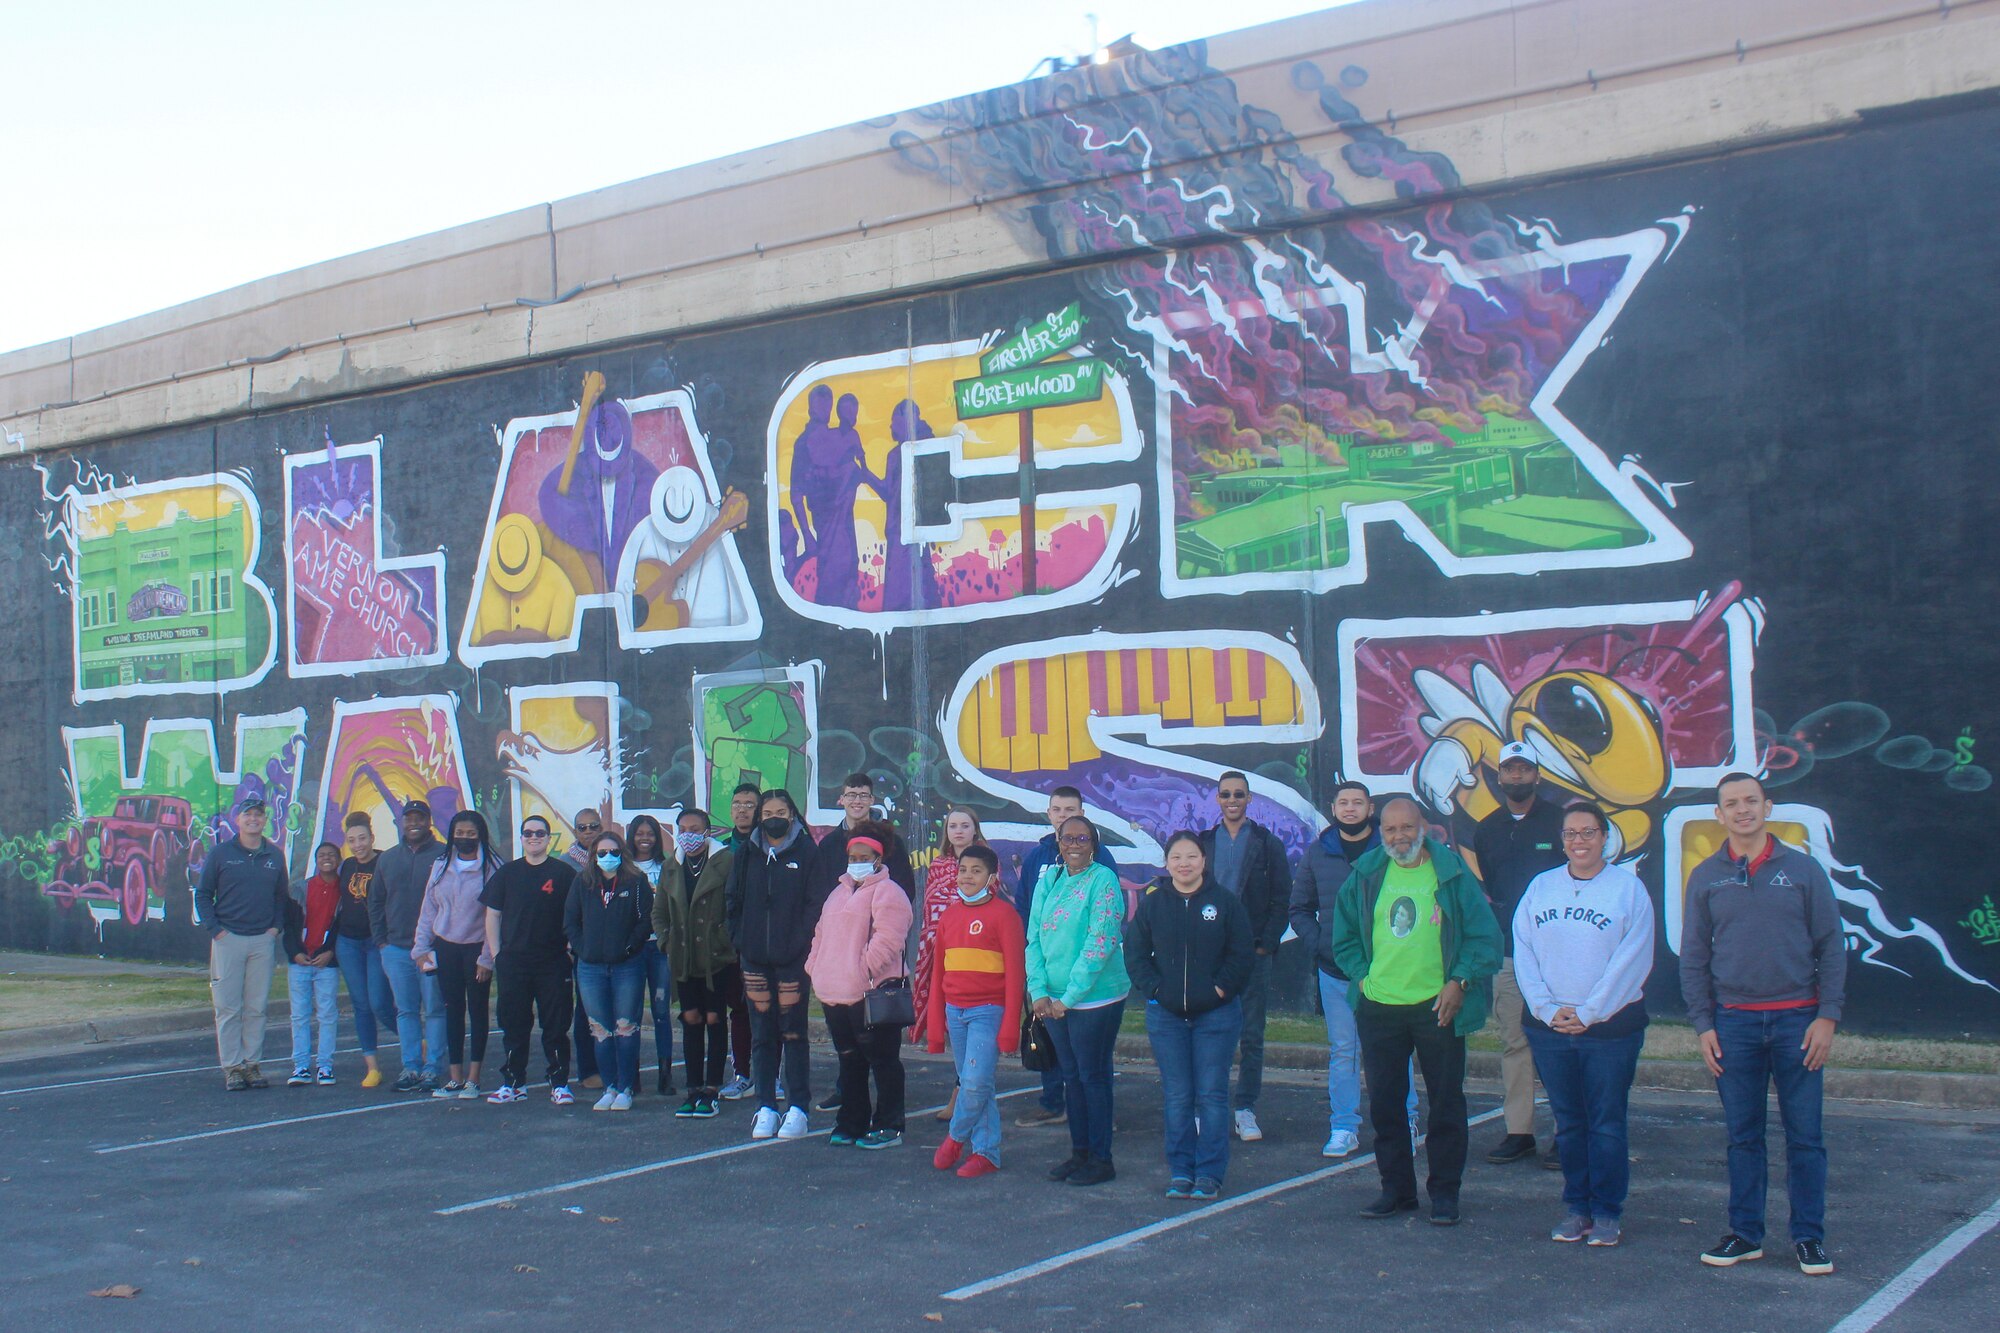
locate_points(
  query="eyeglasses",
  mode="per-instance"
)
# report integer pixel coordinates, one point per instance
(1082, 840)
(1581, 834)
(588, 828)
(1233, 795)
(534, 833)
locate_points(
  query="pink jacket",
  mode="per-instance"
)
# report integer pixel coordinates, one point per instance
(859, 943)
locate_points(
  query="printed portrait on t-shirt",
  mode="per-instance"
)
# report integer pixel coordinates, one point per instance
(1402, 917)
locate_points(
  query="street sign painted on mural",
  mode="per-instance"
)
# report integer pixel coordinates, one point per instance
(1077, 380)
(1043, 339)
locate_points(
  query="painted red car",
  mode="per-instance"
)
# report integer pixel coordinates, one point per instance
(145, 844)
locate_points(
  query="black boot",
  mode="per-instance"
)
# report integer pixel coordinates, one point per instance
(1068, 1167)
(666, 1083)
(1096, 1171)
(1388, 1205)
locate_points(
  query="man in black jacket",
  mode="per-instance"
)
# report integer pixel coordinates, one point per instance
(857, 804)
(1248, 860)
(1513, 845)
(241, 904)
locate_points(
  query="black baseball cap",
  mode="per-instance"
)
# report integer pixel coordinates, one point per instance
(417, 804)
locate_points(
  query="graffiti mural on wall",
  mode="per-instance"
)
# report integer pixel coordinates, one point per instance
(383, 753)
(760, 725)
(564, 753)
(138, 838)
(614, 504)
(164, 598)
(350, 605)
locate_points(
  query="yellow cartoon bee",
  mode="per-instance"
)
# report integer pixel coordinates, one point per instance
(1593, 738)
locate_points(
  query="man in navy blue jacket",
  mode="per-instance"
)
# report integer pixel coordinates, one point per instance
(241, 904)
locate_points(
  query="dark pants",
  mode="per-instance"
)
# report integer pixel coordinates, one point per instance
(1760, 1048)
(1589, 1082)
(529, 987)
(1250, 1048)
(864, 1051)
(739, 1021)
(704, 1040)
(464, 999)
(581, 1041)
(1084, 1040)
(660, 995)
(1193, 1056)
(1390, 1035)
(778, 997)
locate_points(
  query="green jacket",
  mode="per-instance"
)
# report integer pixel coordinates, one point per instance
(693, 922)
(1471, 936)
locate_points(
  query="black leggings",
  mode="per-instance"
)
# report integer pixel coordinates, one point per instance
(464, 998)
(704, 1040)
(864, 1051)
(778, 998)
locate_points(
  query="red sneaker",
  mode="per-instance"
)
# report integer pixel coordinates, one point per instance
(947, 1154)
(977, 1165)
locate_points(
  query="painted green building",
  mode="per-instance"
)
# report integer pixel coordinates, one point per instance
(164, 606)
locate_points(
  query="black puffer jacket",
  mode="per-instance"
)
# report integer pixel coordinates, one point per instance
(605, 931)
(773, 908)
(1181, 947)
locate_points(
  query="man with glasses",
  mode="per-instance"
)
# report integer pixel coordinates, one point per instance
(857, 805)
(1512, 845)
(524, 934)
(1764, 971)
(586, 824)
(1248, 860)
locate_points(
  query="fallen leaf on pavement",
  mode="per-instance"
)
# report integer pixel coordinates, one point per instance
(123, 1291)
(607, 1219)
(510, 1207)
(935, 1317)
(192, 1263)
(526, 1268)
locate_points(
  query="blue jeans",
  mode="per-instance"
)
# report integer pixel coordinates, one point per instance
(660, 994)
(1758, 1049)
(1194, 1057)
(1589, 1081)
(315, 999)
(367, 987)
(975, 1055)
(419, 1011)
(1343, 1060)
(1084, 1040)
(614, 995)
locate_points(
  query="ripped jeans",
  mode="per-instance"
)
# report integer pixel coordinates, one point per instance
(778, 998)
(614, 996)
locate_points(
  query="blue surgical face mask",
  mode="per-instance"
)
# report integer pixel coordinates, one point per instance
(860, 870)
(609, 862)
(974, 896)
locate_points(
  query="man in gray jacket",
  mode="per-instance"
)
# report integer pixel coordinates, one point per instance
(241, 903)
(394, 900)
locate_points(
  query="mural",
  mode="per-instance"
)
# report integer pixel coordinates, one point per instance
(1227, 472)
(350, 605)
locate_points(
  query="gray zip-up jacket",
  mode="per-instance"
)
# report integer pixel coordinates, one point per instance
(397, 895)
(1761, 937)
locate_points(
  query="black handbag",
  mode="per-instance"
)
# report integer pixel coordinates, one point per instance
(889, 1005)
(1038, 1053)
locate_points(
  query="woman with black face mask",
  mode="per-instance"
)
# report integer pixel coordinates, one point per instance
(772, 915)
(451, 941)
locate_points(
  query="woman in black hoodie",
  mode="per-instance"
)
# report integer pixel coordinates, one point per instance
(608, 919)
(772, 914)
(1189, 952)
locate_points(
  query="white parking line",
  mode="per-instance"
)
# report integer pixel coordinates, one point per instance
(1137, 1234)
(1927, 1266)
(646, 1168)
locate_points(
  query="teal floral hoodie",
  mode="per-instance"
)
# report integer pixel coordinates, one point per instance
(1076, 938)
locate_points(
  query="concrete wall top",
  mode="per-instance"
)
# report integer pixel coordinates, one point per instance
(1510, 89)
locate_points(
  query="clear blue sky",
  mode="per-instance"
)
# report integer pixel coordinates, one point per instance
(154, 152)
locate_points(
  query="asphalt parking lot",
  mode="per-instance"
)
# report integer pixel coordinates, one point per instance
(346, 1208)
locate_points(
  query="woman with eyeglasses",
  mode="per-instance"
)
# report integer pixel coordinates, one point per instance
(451, 941)
(609, 918)
(526, 903)
(1583, 946)
(1077, 982)
(648, 845)
(960, 831)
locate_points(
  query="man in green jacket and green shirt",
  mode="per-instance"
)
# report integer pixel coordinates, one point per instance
(1414, 934)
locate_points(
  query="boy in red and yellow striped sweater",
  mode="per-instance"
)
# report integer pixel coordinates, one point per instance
(977, 970)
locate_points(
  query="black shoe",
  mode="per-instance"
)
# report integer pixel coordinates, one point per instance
(1094, 1171)
(1551, 1159)
(1388, 1205)
(1069, 1166)
(1444, 1212)
(1812, 1257)
(832, 1102)
(1513, 1148)
(1731, 1250)
(666, 1085)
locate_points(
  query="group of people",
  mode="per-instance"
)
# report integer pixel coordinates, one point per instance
(731, 932)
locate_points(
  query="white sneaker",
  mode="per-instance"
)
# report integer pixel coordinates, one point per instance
(1339, 1144)
(469, 1092)
(1246, 1126)
(736, 1089)
(765, 1125)
(795, 1124)
(604, 1102)
(619, 1102)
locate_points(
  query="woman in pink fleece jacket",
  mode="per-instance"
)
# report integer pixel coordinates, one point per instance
(858, 946)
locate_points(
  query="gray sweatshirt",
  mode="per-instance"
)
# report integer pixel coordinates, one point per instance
(397, 895)
(1776, 938)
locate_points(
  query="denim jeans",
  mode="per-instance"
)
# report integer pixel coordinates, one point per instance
(1084, 1040)
(975, 1056)
(1589, 1081)
(367, 988)
(660, 994)
(614, 996)
(1760, 1048)
(419, 1011)
(1193, 1055)
(1390, 1035)
(1343, 1060)
(315, 999)
(1250, 1074)
(778, 1032)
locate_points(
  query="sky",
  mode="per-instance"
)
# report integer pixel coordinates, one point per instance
(151, 153)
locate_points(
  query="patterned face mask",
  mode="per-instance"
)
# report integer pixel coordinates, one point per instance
(690, 843)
